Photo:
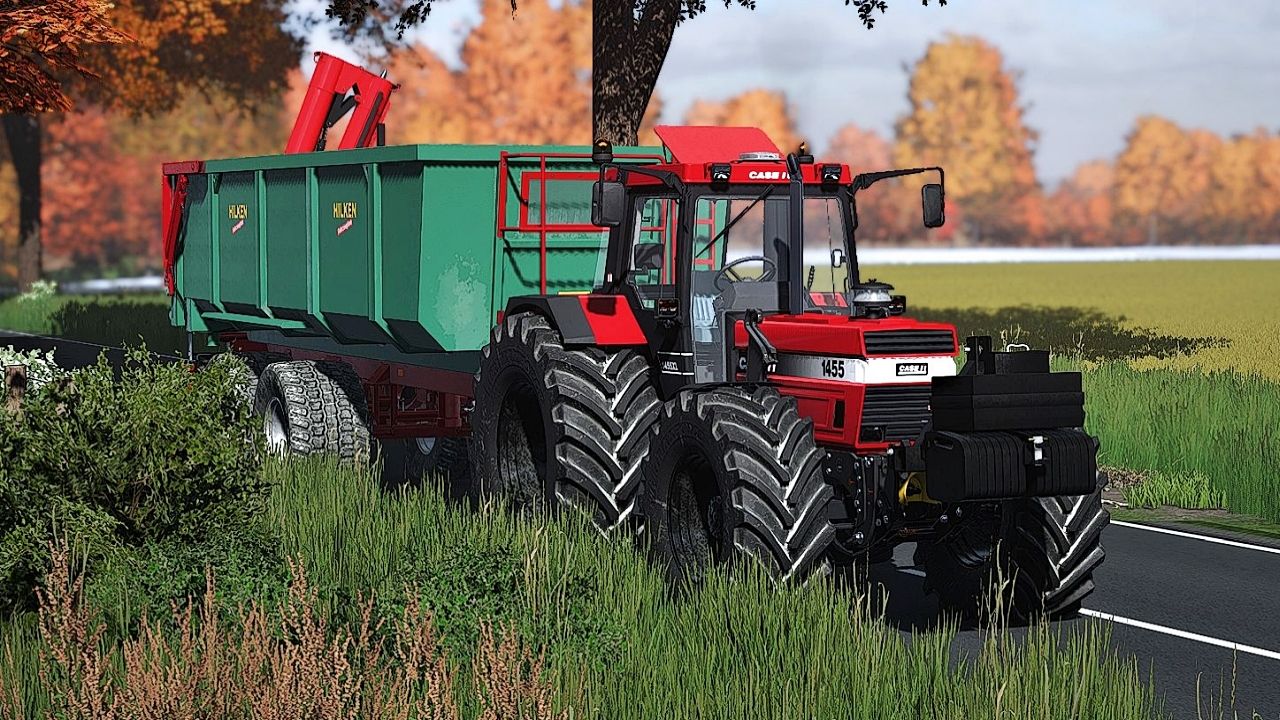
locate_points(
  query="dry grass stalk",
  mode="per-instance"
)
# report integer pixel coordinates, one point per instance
(508, 679)
(298, 667)
(73, 667)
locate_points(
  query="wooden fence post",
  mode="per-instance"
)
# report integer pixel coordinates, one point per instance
(15, 383)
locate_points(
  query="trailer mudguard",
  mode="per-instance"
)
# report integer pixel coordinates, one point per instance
(598, 320)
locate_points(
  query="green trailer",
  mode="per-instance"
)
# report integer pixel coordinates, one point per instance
(403, 253)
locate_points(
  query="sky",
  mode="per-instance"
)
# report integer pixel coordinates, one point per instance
(1088, 68)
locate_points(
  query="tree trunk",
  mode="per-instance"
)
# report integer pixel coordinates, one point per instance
(23, 133)
(627, 56)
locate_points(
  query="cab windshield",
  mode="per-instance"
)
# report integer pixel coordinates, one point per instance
(742, 238)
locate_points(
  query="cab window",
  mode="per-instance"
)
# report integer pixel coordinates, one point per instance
(652, 268)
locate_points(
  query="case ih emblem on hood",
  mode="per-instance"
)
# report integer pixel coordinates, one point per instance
(915, 368)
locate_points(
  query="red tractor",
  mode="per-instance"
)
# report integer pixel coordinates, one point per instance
(735, 388)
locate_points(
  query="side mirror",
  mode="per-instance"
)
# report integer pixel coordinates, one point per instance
(837, 257)
(647, 257)
(934, 204)
(608, 204)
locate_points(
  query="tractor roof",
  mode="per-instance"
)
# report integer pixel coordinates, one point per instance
(695, 145)
(695, 149)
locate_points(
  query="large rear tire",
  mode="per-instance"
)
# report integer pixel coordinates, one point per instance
(1048, 550)
(314, 408)
(556, 427)
(735, 474)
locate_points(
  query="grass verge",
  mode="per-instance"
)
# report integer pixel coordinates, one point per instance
(1212, 436)
(114, 321)
(598, 625)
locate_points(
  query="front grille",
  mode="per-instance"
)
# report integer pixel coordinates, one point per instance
(910, 342)
(897, 411)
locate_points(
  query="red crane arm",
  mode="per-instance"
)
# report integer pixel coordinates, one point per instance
(338, 87)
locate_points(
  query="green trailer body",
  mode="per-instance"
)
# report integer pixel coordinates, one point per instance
(396, 253)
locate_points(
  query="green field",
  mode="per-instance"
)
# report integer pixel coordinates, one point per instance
(1238, 302)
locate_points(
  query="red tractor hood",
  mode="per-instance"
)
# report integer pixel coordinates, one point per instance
(845, 336)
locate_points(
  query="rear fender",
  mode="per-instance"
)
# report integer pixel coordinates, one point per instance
(596, 320)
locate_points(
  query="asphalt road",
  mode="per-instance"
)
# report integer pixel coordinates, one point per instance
(1187, 592)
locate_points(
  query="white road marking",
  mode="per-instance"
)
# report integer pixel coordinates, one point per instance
(1142, 624)
(1271, 654)
(1206, 538)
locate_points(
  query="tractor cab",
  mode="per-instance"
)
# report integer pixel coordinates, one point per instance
(733, 251)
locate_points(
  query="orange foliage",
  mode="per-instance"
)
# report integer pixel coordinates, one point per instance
(1161, 179)
(102, 182)
(966, 118)
(1079, 212)
(526, 79)
(885, 210)
(241, 47)
(82, 175)
(39, 41)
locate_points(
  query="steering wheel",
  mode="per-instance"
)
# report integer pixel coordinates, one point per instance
(727, 273)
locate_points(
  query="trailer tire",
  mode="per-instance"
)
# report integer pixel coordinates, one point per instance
(256, 362)
(734, 474)
(446, 457)
(1048, 550)
(556, 427)
(314, 408)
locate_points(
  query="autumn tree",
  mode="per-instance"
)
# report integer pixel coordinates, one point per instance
(1079, 212)
(881, 212)
(965, 116)
(525, 82)
(42, 44)
(765, 109)
(100, 174)
(1242, 197)
(175, 49)
(629, 43)
(1161, 178)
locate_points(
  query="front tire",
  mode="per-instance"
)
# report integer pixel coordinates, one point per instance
(1048, 550)
(556, 427)
(735, 474)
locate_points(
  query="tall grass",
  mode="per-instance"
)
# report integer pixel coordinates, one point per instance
(618, 645)
(1223, 426)
(1185, 491)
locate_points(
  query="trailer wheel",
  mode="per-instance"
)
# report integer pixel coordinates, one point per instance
(556, 427)
(1048, 549)
(256, 362)
(442, 456)
(314, 408)
(733, 474)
